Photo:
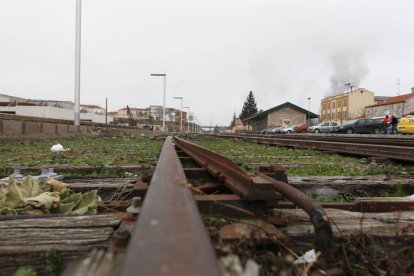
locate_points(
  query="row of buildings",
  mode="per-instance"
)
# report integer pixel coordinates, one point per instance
(63, 110)
(152, 113)
(357, 103)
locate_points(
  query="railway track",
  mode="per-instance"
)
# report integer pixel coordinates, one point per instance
(169, 231)
(164, 241)
(359, 138)
(391, 148)
(190, 185)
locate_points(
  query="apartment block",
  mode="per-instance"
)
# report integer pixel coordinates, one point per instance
(346, 106)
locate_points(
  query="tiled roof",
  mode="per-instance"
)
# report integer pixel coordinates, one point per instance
(286, 104)
(393, 100)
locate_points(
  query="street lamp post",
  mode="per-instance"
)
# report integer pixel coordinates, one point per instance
(77, 64)
(163, 99)
(188, 121)
(309, 110)
(181, 112)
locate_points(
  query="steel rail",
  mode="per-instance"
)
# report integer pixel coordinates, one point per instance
(401, 153)
(360, 139)
(333, 137)
(169, 237)
(239, 181)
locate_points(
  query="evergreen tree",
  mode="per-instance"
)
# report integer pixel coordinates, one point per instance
(249, 107)
(233, 122)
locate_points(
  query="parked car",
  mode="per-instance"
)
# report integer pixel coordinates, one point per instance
(288, 129)
(276, 130)
(366, 125)
(406, 125)
(301, 128)
(324, 127)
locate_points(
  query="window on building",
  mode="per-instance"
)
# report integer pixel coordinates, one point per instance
(339, 103)
(344, 115)
(333, 105)
(338, 115)
(345, 102)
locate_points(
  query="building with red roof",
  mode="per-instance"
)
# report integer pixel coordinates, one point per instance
(398, 106)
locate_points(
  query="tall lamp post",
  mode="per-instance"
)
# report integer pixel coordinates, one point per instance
(181, 112)
(163, 98)
(188, 121)
(77, 64)
(309, 110)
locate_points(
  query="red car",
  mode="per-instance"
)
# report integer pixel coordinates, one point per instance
(301, 128)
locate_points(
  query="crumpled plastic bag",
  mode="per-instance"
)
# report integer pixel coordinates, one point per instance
(58, 148)
(309, 256)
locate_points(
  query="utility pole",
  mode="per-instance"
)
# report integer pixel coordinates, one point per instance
(163, 98)
(181, 112)
(77, 64)
(106, 111)
(398, 86)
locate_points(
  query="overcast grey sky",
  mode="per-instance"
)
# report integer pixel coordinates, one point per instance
(214, 52)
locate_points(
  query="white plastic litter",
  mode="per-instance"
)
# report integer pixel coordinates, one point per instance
(57, 148)
(411, 197)
(231, 266)
(308, 257)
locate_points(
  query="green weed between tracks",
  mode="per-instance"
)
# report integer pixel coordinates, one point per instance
(97, 152)
(297, 162)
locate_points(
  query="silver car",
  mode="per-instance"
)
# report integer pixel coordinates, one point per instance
(288, 129)
(324, 127)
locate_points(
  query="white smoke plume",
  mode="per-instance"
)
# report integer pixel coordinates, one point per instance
(349, 66)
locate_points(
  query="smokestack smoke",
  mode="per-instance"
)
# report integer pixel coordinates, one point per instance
(348, 67)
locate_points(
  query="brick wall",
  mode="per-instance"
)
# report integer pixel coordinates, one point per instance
(276, 118)
(19, 127)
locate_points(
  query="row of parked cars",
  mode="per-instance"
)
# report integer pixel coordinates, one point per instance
(363, 125)
(286, 129)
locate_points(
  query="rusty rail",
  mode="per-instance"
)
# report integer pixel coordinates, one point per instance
(335, 137)
(253, 187)
(169, 237)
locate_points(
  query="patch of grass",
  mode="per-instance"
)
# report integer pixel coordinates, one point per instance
(54, 263)
(398, 191)
(305, 162)
(199, 181)
(214, 222)
(338, 198)
(98, 152)
(24, 271)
